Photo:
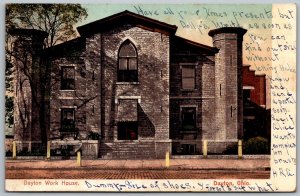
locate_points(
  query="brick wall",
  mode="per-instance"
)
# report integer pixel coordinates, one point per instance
(208, 98)
(228, 77)
(93, 83)
(152, 88)
(217, 95)
(85, 99)
(258, 94)
(202, 97)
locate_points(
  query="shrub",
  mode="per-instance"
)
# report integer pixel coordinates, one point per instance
(231, 150)
(32, 153)
(256, 145)
(8, 153)
(93, 136)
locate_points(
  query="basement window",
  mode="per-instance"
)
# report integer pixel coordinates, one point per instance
(188, 149)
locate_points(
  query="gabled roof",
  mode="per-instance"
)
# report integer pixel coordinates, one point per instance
(28, 32)
(246, 67)
(150, 24)
(66, 47)
(128, 17)
(196, 45)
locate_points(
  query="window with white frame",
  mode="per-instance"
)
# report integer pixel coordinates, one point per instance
(127, 63)
(188, 77)
(67, 78)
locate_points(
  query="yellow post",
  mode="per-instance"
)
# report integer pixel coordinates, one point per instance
(48, 150)
(79, 158)
(14, 150)
(205, 148)
(240, 149)
(167, 159)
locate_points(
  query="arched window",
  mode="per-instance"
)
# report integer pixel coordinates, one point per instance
(127, 64)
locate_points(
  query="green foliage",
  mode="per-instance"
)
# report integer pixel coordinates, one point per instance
(231, 150)
(32, 153)
(9, 101)
(68, 128)
(9, 111)
(93, 135)
(256, 145)
(56, 19)
(8, 153)
(8, 75)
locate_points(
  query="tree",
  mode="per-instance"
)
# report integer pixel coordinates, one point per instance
(55, 19)
(9, 105)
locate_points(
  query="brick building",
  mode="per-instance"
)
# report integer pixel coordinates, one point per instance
(128, 87)
(257, 118)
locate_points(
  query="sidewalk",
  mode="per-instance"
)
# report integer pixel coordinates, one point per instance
(175, 164)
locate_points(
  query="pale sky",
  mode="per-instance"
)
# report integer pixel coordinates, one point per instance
(195, 20)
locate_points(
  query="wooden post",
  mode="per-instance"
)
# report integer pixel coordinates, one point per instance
(204, 148)
(48, 150)
(79, 158)
(14, 150)
(167, 159)
(240, 149)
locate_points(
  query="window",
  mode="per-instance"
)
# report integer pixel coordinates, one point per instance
(127, 119)
(67, 78)
(127, 67)
(128, 130)
(68, 120)
(188, 149)
(188, 118)
(188, 77)
(246, 94)
(184, 149)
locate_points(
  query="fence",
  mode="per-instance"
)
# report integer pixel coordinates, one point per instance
(24, 148)
(70, 148)
(52, 149)
(20, 150)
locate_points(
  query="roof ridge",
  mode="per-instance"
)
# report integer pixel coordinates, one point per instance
(198, 44)
(92, 26)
